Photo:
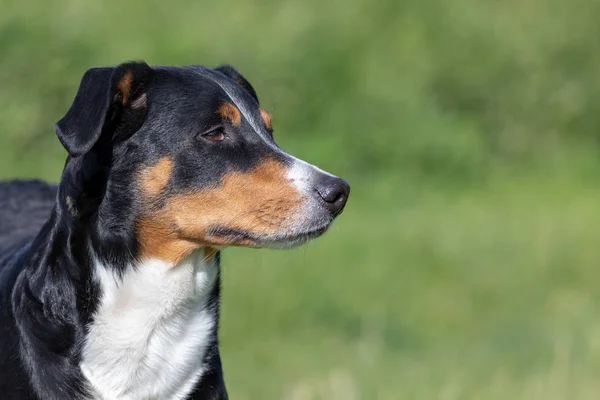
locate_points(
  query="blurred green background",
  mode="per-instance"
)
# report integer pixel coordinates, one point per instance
(466, 264)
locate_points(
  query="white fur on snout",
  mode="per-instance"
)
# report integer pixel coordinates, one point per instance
(312, 215)
(304, 175)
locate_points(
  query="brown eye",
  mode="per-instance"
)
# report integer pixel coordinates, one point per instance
(217, 135)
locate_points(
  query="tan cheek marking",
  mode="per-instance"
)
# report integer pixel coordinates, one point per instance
(124, 85)
(155, 179)
(261, 201)
(154, 234)
(230, 112)
(266, 118)
(159, 240)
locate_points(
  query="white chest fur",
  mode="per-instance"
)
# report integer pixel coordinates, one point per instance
(151, 330)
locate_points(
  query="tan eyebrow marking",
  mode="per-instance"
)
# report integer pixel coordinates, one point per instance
(231, 112)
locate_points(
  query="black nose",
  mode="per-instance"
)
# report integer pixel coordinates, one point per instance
(333, 192)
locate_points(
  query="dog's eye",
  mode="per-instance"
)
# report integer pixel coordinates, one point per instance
(217, 135)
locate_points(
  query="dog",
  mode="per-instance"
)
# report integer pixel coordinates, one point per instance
(109, 281)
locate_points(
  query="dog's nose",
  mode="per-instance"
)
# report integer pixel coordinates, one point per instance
(333, 192)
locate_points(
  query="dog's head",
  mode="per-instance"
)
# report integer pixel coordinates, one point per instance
(170, 159)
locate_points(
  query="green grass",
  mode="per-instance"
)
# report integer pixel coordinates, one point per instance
(466, 263)
(473, 294)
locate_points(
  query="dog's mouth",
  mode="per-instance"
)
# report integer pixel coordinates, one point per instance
(237, 237)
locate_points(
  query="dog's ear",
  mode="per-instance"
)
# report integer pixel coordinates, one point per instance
(104, 96)
(232, 73)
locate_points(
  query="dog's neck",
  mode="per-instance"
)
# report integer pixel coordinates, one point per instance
(107, 326)
(148, 330)
(153, 329)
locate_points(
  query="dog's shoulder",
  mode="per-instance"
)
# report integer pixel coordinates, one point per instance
(24, 208)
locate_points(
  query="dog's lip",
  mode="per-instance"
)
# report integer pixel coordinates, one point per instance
(243, 238)
(314, 232)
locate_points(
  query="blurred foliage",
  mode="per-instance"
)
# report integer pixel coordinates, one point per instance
(465, 264)
(433, 86)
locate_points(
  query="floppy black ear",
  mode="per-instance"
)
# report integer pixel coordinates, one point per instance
(232, 73)
(104, 95)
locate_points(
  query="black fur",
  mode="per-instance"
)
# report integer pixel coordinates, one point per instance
(47, 233)
(123, 119)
